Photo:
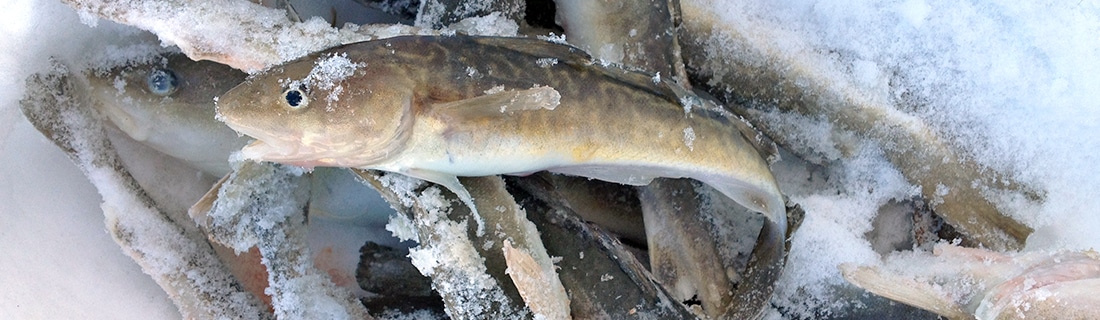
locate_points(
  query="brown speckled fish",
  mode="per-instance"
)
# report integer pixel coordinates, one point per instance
(439, 107)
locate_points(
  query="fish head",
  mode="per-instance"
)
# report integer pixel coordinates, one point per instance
(325, 110)
(167, 102)
(145, 96)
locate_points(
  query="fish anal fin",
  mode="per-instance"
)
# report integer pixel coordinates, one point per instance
(502, 103)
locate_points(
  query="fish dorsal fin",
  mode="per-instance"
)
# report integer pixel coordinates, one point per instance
(500, 103)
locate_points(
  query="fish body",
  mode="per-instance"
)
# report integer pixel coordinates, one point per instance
(439, 107)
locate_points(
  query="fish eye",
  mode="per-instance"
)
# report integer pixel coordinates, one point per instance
(162, 82)
(296, 97)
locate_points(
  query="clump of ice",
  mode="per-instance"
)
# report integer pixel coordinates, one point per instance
(689, 138)
(560, 39)
(493, 24)
(1009, 83)
(328, 73)
(546, 62)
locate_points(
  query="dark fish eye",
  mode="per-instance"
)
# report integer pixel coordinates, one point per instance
(296, 97)
(162, 82)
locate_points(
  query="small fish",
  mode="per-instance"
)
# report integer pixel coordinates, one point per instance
(169, 106)
(435, 108)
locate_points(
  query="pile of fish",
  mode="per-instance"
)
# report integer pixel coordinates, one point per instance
(474, 164)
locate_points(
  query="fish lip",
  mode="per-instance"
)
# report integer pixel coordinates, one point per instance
(265, 145)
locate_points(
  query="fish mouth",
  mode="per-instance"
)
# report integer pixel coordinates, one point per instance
(268, 146)
(262, 150)
(284, 149)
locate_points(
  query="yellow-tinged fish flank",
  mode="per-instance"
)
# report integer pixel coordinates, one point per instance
(440, 107)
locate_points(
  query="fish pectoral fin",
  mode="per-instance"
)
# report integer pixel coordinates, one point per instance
(199, 212)
(501, 103)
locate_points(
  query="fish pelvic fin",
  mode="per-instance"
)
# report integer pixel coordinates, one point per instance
(501, 103)
(450, 182)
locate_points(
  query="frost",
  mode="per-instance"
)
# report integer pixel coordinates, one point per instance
(493, 24)
(261, 205)
(328, 73)
(402, 228)
(554, 38)
(1011, 84)
(546, 62)
(181, 263)
(448, 255)
(689, 138)
(495, 89)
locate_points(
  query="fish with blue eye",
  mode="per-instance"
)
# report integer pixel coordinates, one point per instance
(169, 105)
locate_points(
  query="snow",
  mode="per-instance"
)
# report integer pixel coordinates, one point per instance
(59, 261)
(1006, 82)
(1013, 84)
(328, 74)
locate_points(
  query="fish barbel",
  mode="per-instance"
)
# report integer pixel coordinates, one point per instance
(436, 108)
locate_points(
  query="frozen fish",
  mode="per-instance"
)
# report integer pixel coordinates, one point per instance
(439, 107)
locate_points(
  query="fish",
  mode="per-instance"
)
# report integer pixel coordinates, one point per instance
(168, 104)
(438, 107)
(976, 283)
(56, 104)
